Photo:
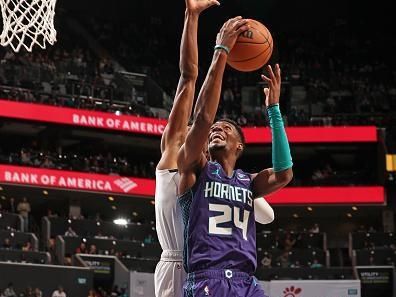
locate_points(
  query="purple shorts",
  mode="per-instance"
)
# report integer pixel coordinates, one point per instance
(222, 283)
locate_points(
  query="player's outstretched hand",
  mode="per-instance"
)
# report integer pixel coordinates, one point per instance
(274, 81)
(230, 31)
(197, 6)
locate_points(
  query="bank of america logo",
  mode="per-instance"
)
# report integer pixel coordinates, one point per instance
(125, 184)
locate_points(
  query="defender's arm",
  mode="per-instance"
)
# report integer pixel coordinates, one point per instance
(175, 132)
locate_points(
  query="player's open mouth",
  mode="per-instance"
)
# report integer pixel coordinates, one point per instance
(217, 136)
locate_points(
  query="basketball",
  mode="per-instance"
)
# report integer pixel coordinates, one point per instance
(253, 48)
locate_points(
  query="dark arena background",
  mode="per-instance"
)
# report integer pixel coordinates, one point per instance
(80, 128)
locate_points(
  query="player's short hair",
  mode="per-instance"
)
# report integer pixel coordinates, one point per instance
(237, 128)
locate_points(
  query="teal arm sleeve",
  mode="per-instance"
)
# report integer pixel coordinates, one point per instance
(281, 157)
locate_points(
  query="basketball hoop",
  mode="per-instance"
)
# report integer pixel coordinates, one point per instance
(27, 22)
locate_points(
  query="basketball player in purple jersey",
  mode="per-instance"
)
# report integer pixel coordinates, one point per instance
(169, 274)
(218, 201)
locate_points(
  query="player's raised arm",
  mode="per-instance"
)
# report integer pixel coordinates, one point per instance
(190, 154)
(175, 132)
(273, 179)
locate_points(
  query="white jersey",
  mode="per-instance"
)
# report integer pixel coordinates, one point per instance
(168, 218)
(169, 274)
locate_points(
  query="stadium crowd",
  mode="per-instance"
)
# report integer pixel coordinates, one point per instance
(336, 86)
(77, 161)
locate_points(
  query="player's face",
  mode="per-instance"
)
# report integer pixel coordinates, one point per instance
(223, 135)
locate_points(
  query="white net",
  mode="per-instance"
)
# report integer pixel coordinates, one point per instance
(27, 22)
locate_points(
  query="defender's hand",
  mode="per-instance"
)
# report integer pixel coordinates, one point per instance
(274, 81)
(197, 6)
(230, 31)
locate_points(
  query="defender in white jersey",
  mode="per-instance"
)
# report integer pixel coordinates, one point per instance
(169, 274)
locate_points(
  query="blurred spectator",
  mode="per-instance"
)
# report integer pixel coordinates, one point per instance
(51, 249)
(7, 244)
(27, 247)
(99, 235)
(149, 239)
(92, 293)
(23, 209)
(59, 292)
(70, 232)
(10, 205)
(371, 261)
(289, 242)
(9, 291)
(316, 264)
(51, 214)
(266, 261)
(38, 293)
(283, 260)
(29, 292)
(296, 264)
(315, 228)
(82, 249)
(77, 161)
(92, 249)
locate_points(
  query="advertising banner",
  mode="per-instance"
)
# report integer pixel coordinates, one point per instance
(315, 288)
(49, 178)
(377, 280)
(141, 284)
(81, 117)
(152, 126)
(76, 180)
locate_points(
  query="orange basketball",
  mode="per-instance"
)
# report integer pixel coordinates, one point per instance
(253, 48)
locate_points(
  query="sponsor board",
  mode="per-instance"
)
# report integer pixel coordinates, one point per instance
(49, 178)
(76, 180)
(155, 127)
(306, 288)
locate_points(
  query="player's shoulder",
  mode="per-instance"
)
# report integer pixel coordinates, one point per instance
(243, 175)
(167, 175)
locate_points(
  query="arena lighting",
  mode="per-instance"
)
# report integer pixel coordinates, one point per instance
(152, 202)
(135, 214)
(110, 198)
(354, 208)
(97, 223)
(349, 215)
(1, 188)
(120, 222)
(69, 221)
(114, 207)
(3, 198)
(295, 216)
(45, 192)
(309, 208)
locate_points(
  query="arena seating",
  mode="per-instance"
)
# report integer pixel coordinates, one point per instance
(17, 240)
(92, 228)
(373, 248)
(24, 256)
(10, 221)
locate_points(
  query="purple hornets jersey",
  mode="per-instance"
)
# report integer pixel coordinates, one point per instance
(218, 215)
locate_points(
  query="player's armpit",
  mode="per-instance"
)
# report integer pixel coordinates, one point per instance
(267, 181)
(189, 171)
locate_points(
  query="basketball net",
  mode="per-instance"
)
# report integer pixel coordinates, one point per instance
(27, 22)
